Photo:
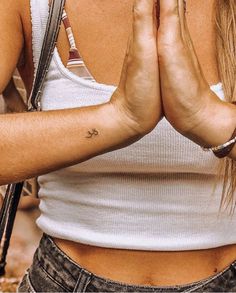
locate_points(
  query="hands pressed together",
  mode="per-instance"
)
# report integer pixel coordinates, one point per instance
(162, 76)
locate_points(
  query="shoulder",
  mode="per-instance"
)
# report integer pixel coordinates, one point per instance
(12, 5)
(25, 7)
(10, 10)
(10, 15)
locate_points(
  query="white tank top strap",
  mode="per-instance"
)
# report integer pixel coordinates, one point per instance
(39, 14)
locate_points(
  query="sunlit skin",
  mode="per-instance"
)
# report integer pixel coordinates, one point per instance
(189, 104)
(150, 268)
(102, 29)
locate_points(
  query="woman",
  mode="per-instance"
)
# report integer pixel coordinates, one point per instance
(141, 218)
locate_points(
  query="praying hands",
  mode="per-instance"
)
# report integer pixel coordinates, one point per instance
(187, 100)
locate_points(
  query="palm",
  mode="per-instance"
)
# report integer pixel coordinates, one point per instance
(185, 91)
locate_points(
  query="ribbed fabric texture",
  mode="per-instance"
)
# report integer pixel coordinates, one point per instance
(156, 194)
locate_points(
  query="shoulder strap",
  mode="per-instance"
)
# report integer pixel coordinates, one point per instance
(49, 42)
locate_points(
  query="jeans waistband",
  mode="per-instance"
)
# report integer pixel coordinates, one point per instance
(62, 267)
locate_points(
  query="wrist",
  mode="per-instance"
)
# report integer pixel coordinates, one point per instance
(136, 124)
(122, 122)
(216, 122)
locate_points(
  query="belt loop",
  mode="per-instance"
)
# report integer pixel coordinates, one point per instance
(83, 281)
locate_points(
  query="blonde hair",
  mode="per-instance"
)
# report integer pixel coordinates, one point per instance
(226, 55)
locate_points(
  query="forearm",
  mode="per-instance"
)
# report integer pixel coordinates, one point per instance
(215, 124)
(37, 143)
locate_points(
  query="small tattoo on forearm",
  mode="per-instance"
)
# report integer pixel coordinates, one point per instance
(92, 133)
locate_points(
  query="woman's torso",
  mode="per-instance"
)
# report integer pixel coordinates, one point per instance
(102, 30)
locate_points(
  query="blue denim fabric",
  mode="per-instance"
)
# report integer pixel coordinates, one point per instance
(53, 271)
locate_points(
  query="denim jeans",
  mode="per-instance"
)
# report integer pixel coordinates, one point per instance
(53, 271)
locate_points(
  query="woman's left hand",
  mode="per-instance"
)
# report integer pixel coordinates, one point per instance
(189, 104)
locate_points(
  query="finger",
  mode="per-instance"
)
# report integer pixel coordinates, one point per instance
(183, 23)
(170, 20)
(125, 64)
(143, 31)
(156, 17)
(182, 18)
(168, 7)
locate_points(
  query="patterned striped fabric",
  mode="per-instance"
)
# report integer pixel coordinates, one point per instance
(75, 62)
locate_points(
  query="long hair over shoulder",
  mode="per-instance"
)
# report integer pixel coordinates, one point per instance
(226, 55)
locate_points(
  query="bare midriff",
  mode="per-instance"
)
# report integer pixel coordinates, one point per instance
(103, 34)
(153, 268)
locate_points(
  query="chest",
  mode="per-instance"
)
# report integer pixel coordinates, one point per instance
(102, 28)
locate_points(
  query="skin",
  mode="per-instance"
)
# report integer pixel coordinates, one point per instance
(120, 122)
(142, 267)
(189, 104)
(13, 99)
(134, 267)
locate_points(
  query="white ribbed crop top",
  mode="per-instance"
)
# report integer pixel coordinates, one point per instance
(156, 194)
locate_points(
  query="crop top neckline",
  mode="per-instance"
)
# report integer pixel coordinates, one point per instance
(93, 84)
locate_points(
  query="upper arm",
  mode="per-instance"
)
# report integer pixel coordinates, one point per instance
(12, 39)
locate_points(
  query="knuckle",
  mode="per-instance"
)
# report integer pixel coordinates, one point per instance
(173, 10)
(138, 14)
(168, 49)
(170, 19)
(142, 9)
(130, 61)
(167, 37)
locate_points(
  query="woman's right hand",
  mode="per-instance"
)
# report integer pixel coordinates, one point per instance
(137, 97)
(38, 143)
